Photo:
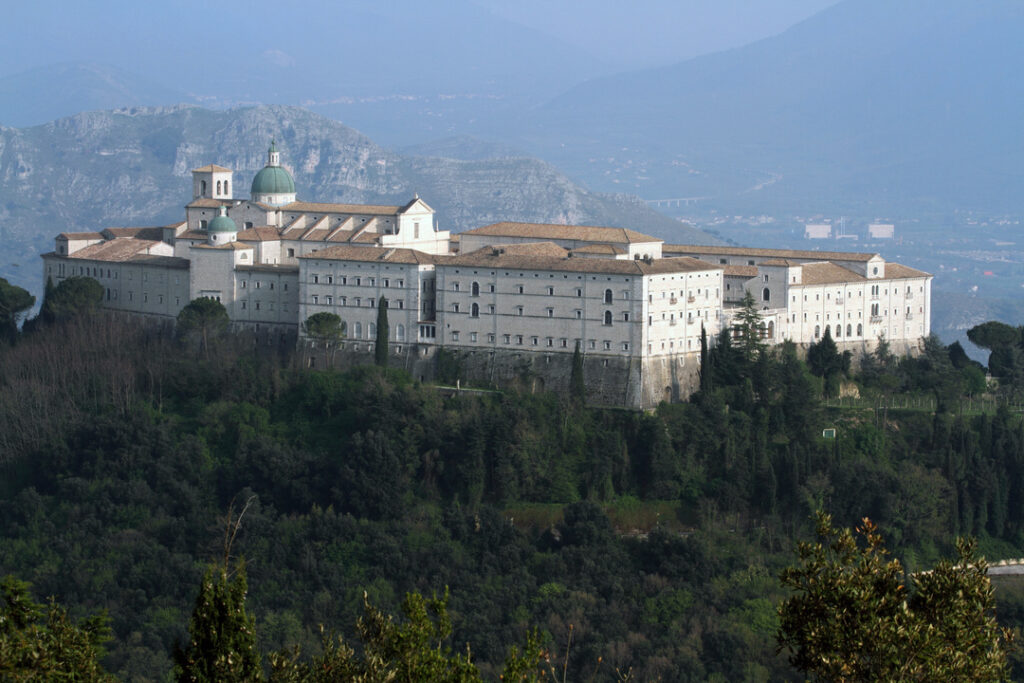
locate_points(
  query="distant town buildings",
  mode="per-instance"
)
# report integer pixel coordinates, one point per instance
(817, 231)
(881, 231)
(507, 295)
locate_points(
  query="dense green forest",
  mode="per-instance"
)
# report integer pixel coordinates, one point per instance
(656, 539)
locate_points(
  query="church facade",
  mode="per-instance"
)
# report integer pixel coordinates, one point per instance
(507, 296)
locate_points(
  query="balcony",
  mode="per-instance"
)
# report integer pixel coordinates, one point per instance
(691, 299)
(673, 301)
(672, 322)
(910, 316)
(876, 318)
(910, 296)
(840, 300)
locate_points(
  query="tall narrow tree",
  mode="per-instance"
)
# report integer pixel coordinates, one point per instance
(577, 385)
(380, 350)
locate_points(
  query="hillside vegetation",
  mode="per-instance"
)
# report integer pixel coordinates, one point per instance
(123, 449)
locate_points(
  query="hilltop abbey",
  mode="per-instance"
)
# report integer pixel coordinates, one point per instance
(509, 301)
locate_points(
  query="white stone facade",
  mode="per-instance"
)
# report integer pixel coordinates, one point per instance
(512, 288)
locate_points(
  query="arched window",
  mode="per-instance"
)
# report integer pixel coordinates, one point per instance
(475, 310)
(607, 296)
(608, 317)
(400, 332)
(371, 330)
(766, 294)
(476, 289)
(817, 331)
(218, 188)
(860, 330)
(202, 191)
(771, 329)
(839, 331)
(359, 331)
(849, 330)
(226, 190)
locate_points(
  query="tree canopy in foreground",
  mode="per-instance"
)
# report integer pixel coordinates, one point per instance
(853, 616)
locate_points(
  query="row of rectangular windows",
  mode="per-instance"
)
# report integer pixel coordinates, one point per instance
(475, 311)
(518, 340)
(371, 282)
(370, 302)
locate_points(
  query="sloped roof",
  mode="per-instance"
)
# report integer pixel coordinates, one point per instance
(146, 233)
(501, 257)
(708, 250)
(208, 203)
(262, 233)
(897, 271)
(740, 271)
(364, 209)
(607, 249)
(344, 252)
(549, 231)
(81, 235)
(114, 250)
(827, 273)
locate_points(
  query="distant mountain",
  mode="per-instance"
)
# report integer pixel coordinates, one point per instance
(871, 106)
(132, 167)
(57, 90)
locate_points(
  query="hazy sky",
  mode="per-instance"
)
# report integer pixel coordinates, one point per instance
(654, 32)
(622, 33)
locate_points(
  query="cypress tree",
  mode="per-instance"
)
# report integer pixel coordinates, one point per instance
(705, 369)
(577, 387)
(222, 638)
(380, 350)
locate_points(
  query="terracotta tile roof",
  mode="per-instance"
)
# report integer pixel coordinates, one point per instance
(497, 257)
(262, 233)
(549, 249)
(827, 273)
(740, 271)
(343, 252)
(365, 238)
(608, 249)
(147, 233)
(358, 209)
(81, 235)
(582, 233)
(207, 203)
(780, 262)
(192, 235)
(211, 168)
(115, 250)
(704, 250)
(897, 271)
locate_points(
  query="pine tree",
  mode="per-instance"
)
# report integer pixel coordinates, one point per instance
(748, 325)
(380, 350)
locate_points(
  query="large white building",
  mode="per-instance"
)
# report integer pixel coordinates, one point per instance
(508, 296)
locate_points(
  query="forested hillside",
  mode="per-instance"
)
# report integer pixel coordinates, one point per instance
(656, 539)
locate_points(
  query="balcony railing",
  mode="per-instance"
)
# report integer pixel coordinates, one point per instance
(910, 295)
(876, 318)
(840, 300)
(691, 299)
(673, 301)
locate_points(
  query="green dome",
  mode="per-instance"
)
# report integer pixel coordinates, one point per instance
(273, 180)
(222, 223)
